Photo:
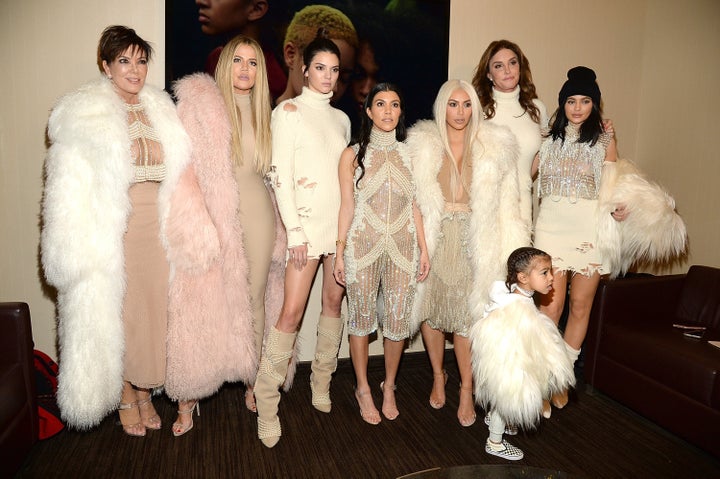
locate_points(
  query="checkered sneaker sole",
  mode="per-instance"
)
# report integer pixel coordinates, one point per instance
(509, 452)
(509, 430)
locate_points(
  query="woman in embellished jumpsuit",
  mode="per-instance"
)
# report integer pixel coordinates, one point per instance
(381, 245)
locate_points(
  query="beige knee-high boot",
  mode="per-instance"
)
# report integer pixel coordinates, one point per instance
(271, 375)
(325, 362)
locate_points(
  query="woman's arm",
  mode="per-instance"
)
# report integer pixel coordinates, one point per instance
(284, 125)
(535, 166)
(424, 267)
(346, 176)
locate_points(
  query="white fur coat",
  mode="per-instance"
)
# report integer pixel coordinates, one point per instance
(652, 232)
(86, 205)
(496, 226)
(518, 358)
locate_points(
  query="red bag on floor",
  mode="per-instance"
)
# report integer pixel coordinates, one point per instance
(46, 372)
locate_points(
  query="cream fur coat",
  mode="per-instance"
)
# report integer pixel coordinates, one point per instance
(85, 212)
(210, 328)
(652, 232)
(518, 358)
(496, 226)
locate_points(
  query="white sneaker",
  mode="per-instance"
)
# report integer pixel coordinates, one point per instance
(504, 450)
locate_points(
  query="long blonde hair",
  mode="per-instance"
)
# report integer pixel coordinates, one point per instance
(260, 100)
(471, 130)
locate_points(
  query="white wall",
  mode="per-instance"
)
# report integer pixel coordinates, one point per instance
(657, 65)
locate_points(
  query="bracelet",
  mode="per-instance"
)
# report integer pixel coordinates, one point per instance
(339, 242)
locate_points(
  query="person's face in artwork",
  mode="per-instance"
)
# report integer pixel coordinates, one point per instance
(365, 76)
(322, 73)
(128, 73)
(293, 58)
(459, 110)
(244, 69)
(223, 16)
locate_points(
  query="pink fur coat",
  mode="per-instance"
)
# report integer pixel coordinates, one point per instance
(210, 329)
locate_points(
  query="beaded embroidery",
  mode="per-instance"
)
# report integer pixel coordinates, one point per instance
(569, 169)
(146, 150)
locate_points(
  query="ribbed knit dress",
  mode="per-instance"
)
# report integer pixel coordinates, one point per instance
(510, 113)
(307, 144)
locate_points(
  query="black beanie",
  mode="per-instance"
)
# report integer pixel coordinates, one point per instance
(581, 81)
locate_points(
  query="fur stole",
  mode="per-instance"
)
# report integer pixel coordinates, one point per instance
(210, 326)
(518, 359)
(496, 227)
(652, 232)
(85, 212)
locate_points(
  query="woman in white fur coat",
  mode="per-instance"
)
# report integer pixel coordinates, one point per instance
(117, 150)
(236, 247)
(467, 190)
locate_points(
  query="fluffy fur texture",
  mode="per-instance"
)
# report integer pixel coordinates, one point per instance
(86, 205)
(496, 227)
(653, 232)
(210, 333)
(519, 359)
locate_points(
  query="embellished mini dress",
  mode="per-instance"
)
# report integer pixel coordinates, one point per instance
(568, 186)
(382, 249)
(145, 304)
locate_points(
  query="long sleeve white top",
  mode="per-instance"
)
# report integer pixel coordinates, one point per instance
(307, 143)
(508, 112)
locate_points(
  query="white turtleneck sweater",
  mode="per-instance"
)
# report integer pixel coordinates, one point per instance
(508, 112)
(307, 144)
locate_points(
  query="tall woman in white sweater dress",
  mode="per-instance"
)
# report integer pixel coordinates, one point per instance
(504, 83)
(309, 136)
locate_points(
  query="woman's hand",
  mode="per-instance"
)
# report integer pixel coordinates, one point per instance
(620, 213)
(424, 269)
(339, 269)
(298, 256)
(608, 127)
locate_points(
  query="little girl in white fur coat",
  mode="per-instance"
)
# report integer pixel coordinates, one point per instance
(519, 357)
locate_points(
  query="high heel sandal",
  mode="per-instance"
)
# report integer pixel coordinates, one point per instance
(465, 421)
(371, 416)
(135, 429)
(392, 415)
(150, 422)
(179, 428)
(438, 404)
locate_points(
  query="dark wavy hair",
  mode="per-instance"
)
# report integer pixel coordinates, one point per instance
(366, 124)
(115, 39)
(520, 261)
(483, 85)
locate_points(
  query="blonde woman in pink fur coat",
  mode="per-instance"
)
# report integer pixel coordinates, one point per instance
(230, 247)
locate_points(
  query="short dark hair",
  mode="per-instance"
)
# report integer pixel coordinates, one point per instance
(520, 261)
(115, 39)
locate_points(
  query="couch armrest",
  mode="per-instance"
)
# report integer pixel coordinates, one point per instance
(637, 299)
(18, 404)
(629, 300)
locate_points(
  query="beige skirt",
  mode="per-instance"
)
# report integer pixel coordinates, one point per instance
(146, 297)
(567, 232)
(445, 303)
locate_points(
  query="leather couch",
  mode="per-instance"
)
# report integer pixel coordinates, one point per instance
(18, 403)
(634, 355)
